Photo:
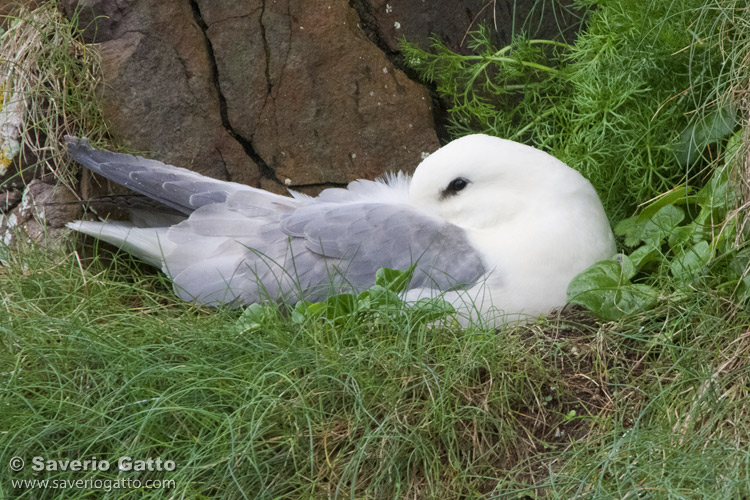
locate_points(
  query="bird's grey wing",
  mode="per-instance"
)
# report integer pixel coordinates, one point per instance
(364, 237)
(239, 255)
(224, 254)
(175, 187)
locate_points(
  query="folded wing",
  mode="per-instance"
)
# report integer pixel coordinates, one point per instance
(174, 187)
(241, 245)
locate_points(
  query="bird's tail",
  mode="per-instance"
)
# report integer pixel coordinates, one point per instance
(147, 243)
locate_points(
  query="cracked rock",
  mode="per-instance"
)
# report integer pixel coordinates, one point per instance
(280, 93)
(387, 21)
(330, 107)
(158, 92)
(265, 92)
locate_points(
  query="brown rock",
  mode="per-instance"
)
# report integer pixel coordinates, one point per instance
(303, 93)
(100, 20)
(53, 205)
(159, 94)
(321, 104)
(278, 92)
(387, 21)
(40, 216)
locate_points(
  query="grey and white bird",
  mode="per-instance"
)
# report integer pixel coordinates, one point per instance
(498, 227)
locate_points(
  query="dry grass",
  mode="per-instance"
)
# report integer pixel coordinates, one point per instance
(48, 78)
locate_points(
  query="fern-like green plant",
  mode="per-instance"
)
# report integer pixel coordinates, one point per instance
(613, 105)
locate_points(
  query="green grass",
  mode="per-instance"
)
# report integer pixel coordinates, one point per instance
(100, 360)
(285, 410)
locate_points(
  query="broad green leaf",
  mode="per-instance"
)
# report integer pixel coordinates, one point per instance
(705, 218)
(631, 228)
(652, 231)
(743, 289)
(301, 312)
(711, 128)
(380, 299)
(340, 306)
(734, 146)
(714, 194)
(606, 290)
(317, 310)
(432, 309)
(644, 255)
(726, 235)
(687, 235)
(739, 266)
(253, 317)
(393, 279)
(690, 263)
(678, 195)
(740, 262)
(627, 268)
(632, 298)
(658, 227)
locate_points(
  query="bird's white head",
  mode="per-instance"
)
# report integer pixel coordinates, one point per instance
(480, 181)
(536, 221)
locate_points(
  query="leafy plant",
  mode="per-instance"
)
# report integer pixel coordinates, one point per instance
(643, 101)
(665, 234)
(383, 301)
(606, 289)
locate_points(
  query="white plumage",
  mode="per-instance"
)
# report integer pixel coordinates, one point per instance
(501, 228)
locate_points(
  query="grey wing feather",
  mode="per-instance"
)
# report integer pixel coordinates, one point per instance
(221, 255)
(367, 236)
(172, 186)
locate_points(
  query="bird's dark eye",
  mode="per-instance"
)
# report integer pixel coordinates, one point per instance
(458, 184)
(454, 187)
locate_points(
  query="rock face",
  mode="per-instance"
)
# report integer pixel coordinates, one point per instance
(387, 21)
(273, 93)
(159, 92)
(321, 104)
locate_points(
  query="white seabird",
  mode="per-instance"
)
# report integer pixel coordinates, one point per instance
(498, 226)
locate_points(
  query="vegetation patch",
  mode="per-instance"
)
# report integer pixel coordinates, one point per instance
(103, 363)
(48, 80)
